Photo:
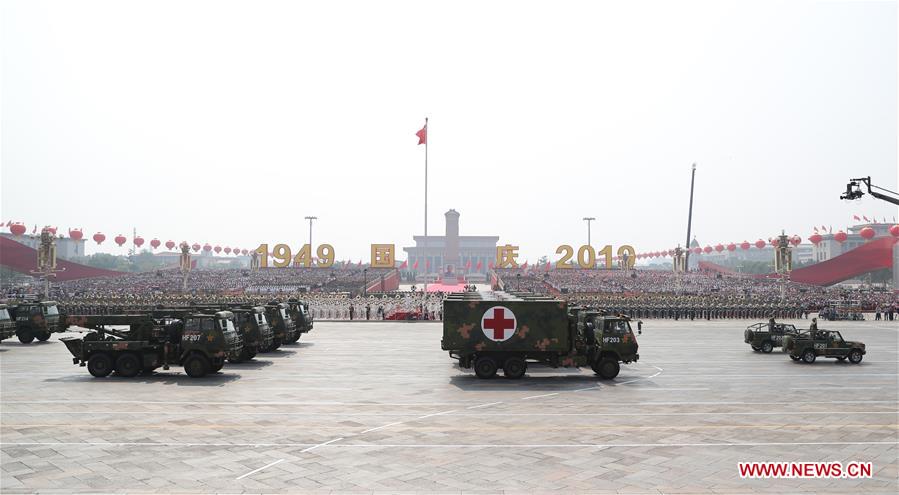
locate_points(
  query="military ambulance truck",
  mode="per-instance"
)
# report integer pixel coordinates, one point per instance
(491, 331)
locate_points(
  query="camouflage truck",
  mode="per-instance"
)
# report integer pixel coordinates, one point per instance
(282, 324)
(7, 325)
(807, 346)
(302, 317)
(762, 337)
(491, 331)
(35, 320)
(199, 343)
(251, 324)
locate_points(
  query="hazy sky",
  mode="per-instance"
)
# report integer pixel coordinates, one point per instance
(228, 122)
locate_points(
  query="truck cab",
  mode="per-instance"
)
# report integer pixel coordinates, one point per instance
(35, 320)
(302, 317)
(606, 340)
(253, 326)
(7, 325)
(282, 324)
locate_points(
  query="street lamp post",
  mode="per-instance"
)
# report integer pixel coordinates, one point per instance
(588, 220)
(365, 281)
(310, 229)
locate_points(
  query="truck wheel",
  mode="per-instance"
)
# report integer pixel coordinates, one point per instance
(128, 365)
(218, 365)
(196, 366)
(607, 368)
(794, 358)
(25, 336)
(855, 356)
(515, 368)
(251, 354)
(43, 336)
(293, 340)
(808, 356)
(767, 347)
(485, 367)
(755, 348)
(100, 365)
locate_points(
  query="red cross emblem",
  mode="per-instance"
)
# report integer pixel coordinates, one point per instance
(499, 323)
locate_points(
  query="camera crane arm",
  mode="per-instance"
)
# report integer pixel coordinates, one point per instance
(854, 191)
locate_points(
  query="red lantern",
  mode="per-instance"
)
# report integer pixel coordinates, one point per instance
(120, 239)
(815, 238)
(99, 238)
(760, 244)
(867, 233)
(670, 252)
(138, 241)
(227, 250)
(894, 231)
(795, 240)
(731, 247)
(697, 250)
(707, 249)
(840, 237)
(217, 249)
(170, 245)
(17, 229)
(155, 243)
(745, 245)
(196, 247)
(207, 247)
(774, 242)
(76, 234)
(236, 251)
(51, 230)
(719, 247)
(243, 252)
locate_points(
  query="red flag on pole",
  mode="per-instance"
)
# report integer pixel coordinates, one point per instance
(427, 264)
(855, 217)
(423, 134)
(866, 218)
(468, 265)
(480, 265)
(415, 265)
(404, 265)
(546, 268)
(524, 266)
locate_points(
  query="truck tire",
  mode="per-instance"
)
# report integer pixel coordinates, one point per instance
(808, 356)
(217, 365)
(43, 336)
(607, 368)
(514, 368)
(794, 358)
(293, 340)
(128, 365)
(25, 336)
(196, 366)
(99, 365)
(755, 348)
(767, 347)
(855, 356)
(485, 367)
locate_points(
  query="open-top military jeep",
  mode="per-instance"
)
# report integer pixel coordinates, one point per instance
(826, 343)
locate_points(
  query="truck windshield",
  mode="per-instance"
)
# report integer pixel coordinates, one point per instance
(4, 314)
(284, 314)
(51, 310)
(227, 326)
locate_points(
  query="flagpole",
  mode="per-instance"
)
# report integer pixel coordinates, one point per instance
(426, 208)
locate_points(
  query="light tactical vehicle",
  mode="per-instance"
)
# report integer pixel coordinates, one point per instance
(302, 317)
(200, 343)
(35, 320)
(764, 338)
(490, 331)
(807, 346)
(7, 325)
(285, 330)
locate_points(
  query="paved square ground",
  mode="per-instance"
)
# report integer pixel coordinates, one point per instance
(361, 407)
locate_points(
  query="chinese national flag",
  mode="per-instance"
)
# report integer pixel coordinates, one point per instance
(423, 134)
(547, 266)
(427, 264)
(415, 265)
(480, 265)
(490, 265)
(524, 266)
(404, 265)
(855, 217)
(468, 265)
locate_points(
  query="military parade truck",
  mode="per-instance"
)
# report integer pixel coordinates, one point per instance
(7, 325)
(251, 324)
(807, 346)
(491, 331)
(35, 320)
(200, 343)
(285, 330)
(302, 317)
(766, 336)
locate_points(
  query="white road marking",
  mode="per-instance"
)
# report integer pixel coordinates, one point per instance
(665, 389)
(380, 427)
(329, 442)
(430, 446)
(500, 415)
(643, 378)
(483, 405)
(436, 414)
(257, 470)
(813, 388)
(538, 396)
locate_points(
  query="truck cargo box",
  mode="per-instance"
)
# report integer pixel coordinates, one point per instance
(503, 322)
